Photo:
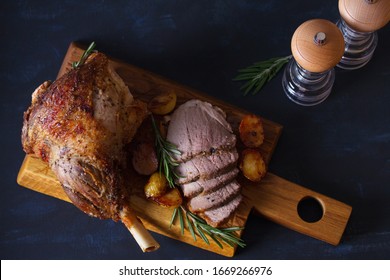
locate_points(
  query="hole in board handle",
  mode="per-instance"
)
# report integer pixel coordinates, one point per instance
(310, 209)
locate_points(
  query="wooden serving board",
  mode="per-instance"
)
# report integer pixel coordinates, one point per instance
(274, 198)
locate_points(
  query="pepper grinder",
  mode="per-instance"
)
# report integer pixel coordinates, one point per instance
(360, 19)
(317, 46)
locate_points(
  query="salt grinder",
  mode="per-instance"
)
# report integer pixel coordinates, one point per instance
(360, 19)
(317, 46)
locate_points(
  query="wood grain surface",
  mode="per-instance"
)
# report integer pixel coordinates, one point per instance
(314, 57)
(274, 198)
(364, 16)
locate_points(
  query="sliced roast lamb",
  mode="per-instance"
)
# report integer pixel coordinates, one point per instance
(206, 186)
(205, 166)
(198, 127)
(216, 215)
(201, 203)
(208, 161)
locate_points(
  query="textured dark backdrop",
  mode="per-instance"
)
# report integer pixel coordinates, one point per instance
(340, 148)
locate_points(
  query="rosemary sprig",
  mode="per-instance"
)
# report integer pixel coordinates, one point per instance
(198, 226)
(85, 55)
(258, 74)
(165, 151)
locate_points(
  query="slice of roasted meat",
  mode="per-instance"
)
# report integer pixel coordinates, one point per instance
(208, 163)
(80, 125)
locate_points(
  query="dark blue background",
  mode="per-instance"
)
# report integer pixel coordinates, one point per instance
(340, 148)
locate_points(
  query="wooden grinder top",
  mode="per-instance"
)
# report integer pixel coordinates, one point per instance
(365, 15)
(317, 45)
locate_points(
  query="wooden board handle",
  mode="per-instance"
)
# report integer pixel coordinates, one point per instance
(277, 199)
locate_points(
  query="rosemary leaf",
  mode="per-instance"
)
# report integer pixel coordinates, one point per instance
(85, 55)
(202, 235)
(259, 86)
(190, 227)
(260, 73)
(197, 218)
(165, 151)
(174, 214)
(204, 230)
(181, 222)
(232, 229)
(217, 242)
(229, 237)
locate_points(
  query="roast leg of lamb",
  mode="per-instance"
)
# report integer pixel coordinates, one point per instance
(208, 162)
(80, 125)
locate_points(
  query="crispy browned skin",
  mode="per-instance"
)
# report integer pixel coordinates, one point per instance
(79, 125)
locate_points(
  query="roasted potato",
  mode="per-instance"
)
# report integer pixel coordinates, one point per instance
(172, 198)
(252, 165)
(163, 103)
(251, 131)
(156, 186)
